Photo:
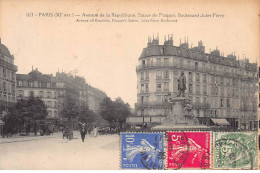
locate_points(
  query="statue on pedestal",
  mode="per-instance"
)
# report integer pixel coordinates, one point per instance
(181, 85)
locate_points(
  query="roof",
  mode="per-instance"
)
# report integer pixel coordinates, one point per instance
(4, 50)
(196, 53)
(169, 50)
(220, 122)
(33, 75)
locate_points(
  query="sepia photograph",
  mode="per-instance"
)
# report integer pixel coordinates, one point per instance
(108, 85)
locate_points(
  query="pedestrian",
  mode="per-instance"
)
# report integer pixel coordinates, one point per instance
(95, 130)
(83, 131)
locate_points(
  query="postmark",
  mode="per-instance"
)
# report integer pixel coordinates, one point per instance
(142, 150)
(235, 150)
(188, 150)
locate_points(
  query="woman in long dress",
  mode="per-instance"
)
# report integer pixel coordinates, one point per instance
(95, 130)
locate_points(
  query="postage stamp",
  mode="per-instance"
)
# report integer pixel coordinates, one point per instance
(188, 150)
(142, 150)
(235, 150)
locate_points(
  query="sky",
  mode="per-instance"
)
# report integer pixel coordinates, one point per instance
(106, 54)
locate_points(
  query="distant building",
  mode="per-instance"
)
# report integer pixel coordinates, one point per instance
(7, 79)
(76, 88)
(219, 87)
(39, 85)
(66, 87)
(94, 98)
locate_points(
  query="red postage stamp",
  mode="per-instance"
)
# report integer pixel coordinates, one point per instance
(188, 150)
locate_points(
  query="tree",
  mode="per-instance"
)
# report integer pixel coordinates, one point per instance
(24, 111)
(85, 114)
(115, 111)
(70, 111)
(70, 108)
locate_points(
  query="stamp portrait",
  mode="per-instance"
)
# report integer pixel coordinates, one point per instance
(235, 150)
(188, 150)
(142, 150)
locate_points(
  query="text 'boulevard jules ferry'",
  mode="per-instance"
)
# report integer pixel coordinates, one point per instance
(183, 87)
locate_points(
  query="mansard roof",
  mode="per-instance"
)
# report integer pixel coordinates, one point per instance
(169, 50)
(194, 53)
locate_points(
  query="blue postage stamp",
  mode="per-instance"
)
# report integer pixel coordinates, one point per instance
(142, 150)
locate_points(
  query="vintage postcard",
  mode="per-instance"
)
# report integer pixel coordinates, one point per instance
(117, 84)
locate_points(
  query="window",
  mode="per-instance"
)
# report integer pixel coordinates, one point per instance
(190, 88)
(228, 92)
(13, 88)
(40, 93)
(158, 74)
(166, 86)
(143, 63)
(221, 102)
(228, 81)
(35, 83)
(228, 103)
(142, 75)
(181, 62)
(204, 89)
(222, 91)
(148, 62)
(147, 87)
(20, 93)
(49, 113)
(20, 83)
(166, 61)
(198, 112)
(30, 84)
(197, 89)
(49, 104)
(196, 66)
(162, 51)
(159, 86)
(197, 77)
(158, 61)
(4, 86)
(198, 100)
(142, 99)
(142, 88)
(203, 66)
(55, 113)
(4, 72)
(166, 74)
(190, 76)
(222, 80)
(147, 75)
(204, 78)
(48, 85)
(188, 64)
(49, 95)
(205, 100)
(146, 99)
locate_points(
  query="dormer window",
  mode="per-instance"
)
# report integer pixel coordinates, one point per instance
(162, 51)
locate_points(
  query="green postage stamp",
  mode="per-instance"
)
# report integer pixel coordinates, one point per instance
(235, 150)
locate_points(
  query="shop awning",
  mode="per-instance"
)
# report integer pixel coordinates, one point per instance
(1, 122)
(220, 122)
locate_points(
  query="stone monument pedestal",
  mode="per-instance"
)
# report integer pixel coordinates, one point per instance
(179, 117)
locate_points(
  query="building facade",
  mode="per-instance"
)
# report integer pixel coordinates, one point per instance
(94, 98)
(7, 79)
(39, 85)
(218, 87)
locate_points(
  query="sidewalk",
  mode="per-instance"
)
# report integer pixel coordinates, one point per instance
(19, 138)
